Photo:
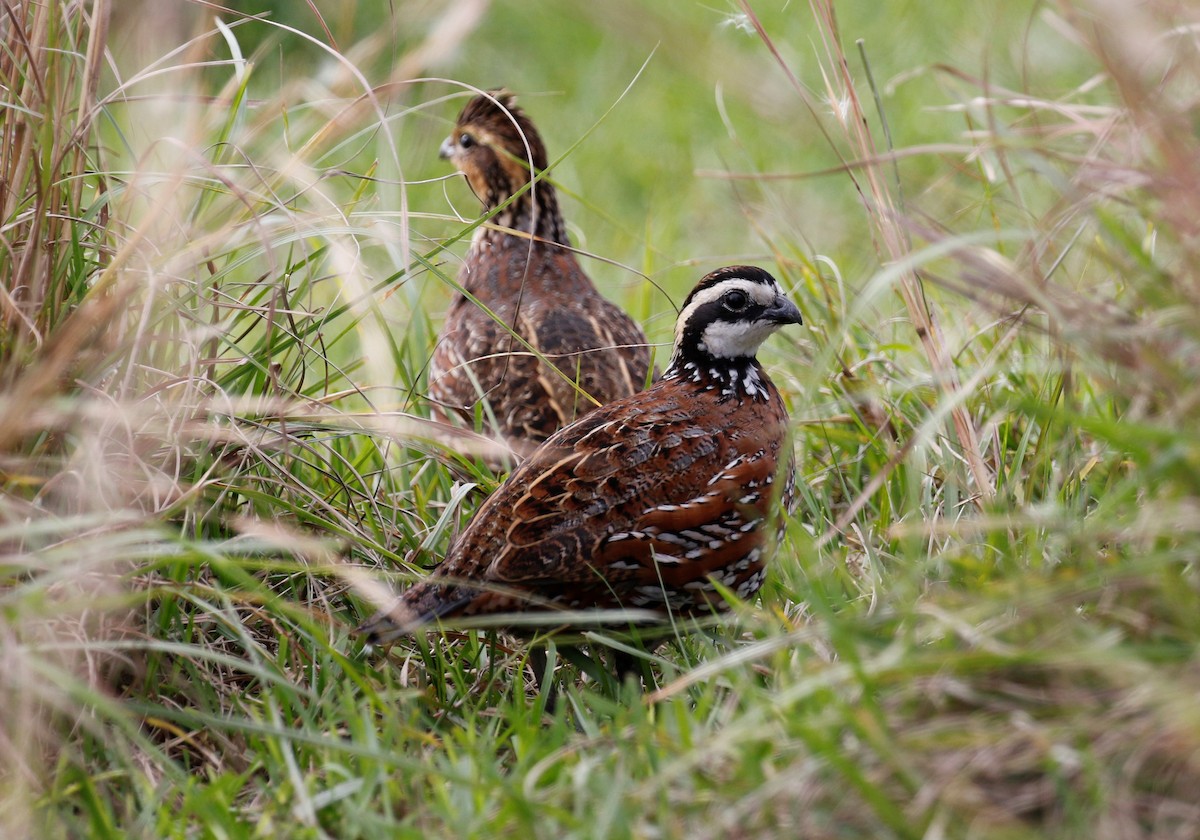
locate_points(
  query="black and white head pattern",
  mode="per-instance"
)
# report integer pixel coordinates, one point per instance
(721, 325)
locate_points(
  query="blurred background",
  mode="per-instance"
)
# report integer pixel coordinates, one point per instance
(660, 117)
(226, 241)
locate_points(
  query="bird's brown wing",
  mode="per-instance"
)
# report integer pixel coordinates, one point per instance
(476, 359)
(607, 495)
(596, 359)
(589, 359)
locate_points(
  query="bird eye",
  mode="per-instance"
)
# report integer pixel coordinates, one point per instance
(735, 301)
(466, 141)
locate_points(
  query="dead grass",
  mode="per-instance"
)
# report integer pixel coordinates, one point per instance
(215, 286)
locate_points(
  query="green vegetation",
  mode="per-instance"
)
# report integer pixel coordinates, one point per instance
(224, 250)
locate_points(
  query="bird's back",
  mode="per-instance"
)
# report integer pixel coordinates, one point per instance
(575, 348)
(640, 504)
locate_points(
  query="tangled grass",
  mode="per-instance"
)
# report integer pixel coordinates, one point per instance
(216, 280)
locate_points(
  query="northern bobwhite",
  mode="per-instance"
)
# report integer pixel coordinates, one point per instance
(520, 267)
(646, 502)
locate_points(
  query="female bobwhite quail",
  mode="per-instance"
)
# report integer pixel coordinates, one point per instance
(520, 267)
(646, 502)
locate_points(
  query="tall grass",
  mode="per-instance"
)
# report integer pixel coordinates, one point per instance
(221, 243)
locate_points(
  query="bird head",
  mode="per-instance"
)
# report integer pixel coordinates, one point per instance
(729, 314)
(494, 145)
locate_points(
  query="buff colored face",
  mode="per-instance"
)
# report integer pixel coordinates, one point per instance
(492, 149)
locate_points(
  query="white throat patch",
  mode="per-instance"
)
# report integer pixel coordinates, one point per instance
(725, 340)
(730, 340)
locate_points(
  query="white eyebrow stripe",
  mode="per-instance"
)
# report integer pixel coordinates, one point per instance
(763, 294)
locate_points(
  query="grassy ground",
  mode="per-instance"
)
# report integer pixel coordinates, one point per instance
(223, 247)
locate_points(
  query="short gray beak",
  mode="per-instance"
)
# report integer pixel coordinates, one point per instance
(783, 311)
(447, 148)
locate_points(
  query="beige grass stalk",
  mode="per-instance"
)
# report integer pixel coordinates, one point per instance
(891, 240)
(891, 237)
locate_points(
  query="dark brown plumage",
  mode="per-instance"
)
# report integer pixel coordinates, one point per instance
(520, 267)
(645, 502)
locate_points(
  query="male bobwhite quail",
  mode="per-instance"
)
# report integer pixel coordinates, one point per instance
(646, 502)
(520, 266)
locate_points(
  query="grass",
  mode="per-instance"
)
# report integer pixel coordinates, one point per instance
(224, 250)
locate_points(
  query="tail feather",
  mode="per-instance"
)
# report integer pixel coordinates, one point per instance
(419, 606)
